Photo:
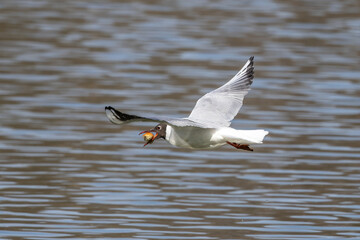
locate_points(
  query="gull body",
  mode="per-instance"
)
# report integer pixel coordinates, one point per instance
(205, 138)
(208, 125)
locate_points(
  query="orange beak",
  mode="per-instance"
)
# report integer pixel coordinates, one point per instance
(149, 137)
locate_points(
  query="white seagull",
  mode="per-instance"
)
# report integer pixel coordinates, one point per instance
(208, 125)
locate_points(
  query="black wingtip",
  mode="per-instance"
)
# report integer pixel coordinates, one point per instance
(108, 108)
(120, 115)
(251, 59)
(113, 110)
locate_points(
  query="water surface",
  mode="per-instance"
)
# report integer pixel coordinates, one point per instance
(66, 172)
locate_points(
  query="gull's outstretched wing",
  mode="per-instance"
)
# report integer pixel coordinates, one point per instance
(219, 107)
(117, 117)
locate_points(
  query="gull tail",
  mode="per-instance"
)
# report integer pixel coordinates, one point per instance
(243, 136)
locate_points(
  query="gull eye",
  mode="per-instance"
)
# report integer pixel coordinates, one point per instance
(158, 128)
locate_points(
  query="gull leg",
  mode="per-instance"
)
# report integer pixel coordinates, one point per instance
(240, 146)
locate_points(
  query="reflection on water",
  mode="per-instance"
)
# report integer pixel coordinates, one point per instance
(68, 173)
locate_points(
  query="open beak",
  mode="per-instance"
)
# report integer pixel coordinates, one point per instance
(151, 140)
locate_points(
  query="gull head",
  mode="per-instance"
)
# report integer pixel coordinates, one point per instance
(159, 131)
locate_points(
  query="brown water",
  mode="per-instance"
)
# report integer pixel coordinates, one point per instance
(66, 172)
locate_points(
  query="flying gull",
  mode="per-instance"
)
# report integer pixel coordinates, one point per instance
(208, 125)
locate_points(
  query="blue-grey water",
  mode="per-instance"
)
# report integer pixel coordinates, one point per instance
(67, 173)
